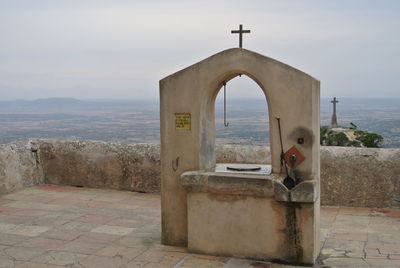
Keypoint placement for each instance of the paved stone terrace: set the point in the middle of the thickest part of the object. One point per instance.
(57, 226)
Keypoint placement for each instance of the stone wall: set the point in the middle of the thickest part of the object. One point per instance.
(361, 177)
(134, 167)
(19, 166)
(349, 176)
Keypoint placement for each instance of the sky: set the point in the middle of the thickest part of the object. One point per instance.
(120, 49)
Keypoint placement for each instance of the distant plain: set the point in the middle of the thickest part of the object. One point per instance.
(133, 121)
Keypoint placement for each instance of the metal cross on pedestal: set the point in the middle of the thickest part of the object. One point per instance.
(334, 119)
(240, 32)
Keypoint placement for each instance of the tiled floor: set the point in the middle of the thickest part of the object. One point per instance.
(56, 226)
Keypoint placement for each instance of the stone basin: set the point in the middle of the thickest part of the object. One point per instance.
(224, 167)
(261, 183)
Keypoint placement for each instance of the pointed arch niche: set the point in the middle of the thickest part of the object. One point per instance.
(252, 216)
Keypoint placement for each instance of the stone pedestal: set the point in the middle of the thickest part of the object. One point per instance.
(251, 216)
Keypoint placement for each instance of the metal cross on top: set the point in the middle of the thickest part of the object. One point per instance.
(240, 32)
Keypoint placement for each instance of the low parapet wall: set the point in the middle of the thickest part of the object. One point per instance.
(19, 166)
(349, 176)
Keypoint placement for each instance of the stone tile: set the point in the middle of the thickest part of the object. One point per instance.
(384, 228)
(354, 211)
(383, 248)
(27, 230)
(62, 258)
(94, 219)
(56, 188)
(114, 230)
(94, 261)
(33, 205)
(126, 223)
(6, 262)
(372, 237)
(157, 265)
(92, 204)
(4, 201)
(356, 255)
(126, 253)
(346, 262)
(139, 239)
(82, 247)
(123, 207)
(42, 243)
(324, 233)
(352, 219)
(97, 238)
(6, 209)
(15, 219)
(79, 226)
(136, 264)
(159, 256)
(394, 256)
(9, 239)
(62, 234)
(385, 220)
(36, 265)
(30, 212)
(79, 196)
(242, 263)
(345, 245)
(64, 215)
(350, 236)
(39, 198)
(109, 198)
(15, 196)
(390, 237)
(171, 248)
(22, 253)
(6, 226)
(197, 261)
(383, 262)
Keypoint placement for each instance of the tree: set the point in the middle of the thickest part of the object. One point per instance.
(370, 140)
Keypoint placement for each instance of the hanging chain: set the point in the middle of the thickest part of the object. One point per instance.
(226, 123)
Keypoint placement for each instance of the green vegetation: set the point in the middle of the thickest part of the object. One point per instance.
(371, 140)
(362, 138)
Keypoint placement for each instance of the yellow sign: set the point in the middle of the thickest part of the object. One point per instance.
(182, 121)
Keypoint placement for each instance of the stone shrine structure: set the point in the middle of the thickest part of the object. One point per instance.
(250, 214)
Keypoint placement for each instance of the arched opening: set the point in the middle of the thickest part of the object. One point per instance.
(241, 118)
(241, 115)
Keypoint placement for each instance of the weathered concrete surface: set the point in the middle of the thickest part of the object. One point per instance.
(19, 166)
(134, 167)
(360, 177)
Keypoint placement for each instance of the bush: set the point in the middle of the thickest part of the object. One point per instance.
(370, 140)
(362, 138)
